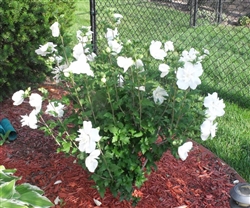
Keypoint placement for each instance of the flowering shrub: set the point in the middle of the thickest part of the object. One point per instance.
(124, 112)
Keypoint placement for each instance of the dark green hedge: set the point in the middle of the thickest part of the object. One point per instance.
(24, 25)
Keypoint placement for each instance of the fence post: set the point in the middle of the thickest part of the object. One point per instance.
(193, 12)
(93, 24)
(218, 11)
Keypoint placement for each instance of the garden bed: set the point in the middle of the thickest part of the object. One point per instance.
(203, 180)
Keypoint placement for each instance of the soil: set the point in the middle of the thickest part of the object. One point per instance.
(202, 181)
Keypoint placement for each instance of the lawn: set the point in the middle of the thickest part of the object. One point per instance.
(225, 71)
(81, 18)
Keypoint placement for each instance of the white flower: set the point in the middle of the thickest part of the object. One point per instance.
(36, 101)
(164, 68)
(91, 161)
(124, 62)
(84, 37)
(206, 51)
(141, 88)
(189, 56)
(184, 149)
(159, 95)
(30, 120)
(169, 46)
(188, 76)
(55, 109)
(58, 59)
(118, 18)
(55, 29)
(78, 50)
(46, 49)
(79, 66)
(18, 97)
(215, 106)
(81, 38)
(207, 129)
(120, 80)
(57, 71)
(129, 42)
(88, 137)
(115, 47)
(139, 65)
(111, 34)
(156, 51)
(91, 57)
(118, 15)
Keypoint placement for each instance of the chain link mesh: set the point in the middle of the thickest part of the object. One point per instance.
(221, 26)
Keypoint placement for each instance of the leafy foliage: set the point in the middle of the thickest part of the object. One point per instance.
(24, 26)
(20, 196)
(245, 20)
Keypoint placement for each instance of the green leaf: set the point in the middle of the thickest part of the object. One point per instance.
(5, 177)
(3, 140)
(9, 171)
(66, 147)
(113, 129)
(7, 189)
(125, 140)
(4, 137)
(26, 187)
(12, 203)
(139, 134)
(35, 199)
(114, 139)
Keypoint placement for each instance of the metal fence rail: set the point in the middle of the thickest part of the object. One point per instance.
(210, 24)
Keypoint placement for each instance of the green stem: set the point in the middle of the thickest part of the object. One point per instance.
(109, 100)
(140, 100)
(65, 130)
(50, 131)
(89, 99)
(117, 97)
(76, 92)
(64, 51)
(132, 95)
(105, 162)
(173, 110)
(181, 114)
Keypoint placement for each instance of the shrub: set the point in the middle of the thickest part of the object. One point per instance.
(124, 112)
(244, 20)
(24, 26)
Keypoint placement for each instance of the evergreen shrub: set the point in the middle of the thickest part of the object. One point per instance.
(24, 26)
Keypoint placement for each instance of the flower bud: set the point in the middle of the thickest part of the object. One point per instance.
(140, 56)
(108, 50)
(103, 80)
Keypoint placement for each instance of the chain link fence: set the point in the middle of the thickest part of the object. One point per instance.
(221, 26)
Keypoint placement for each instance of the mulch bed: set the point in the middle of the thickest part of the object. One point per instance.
(203, 180)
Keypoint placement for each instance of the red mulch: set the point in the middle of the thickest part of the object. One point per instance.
(202, 181)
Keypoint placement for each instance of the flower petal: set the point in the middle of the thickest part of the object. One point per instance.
(184, 149)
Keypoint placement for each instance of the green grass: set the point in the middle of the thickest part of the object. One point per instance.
(232, 141)
(225, 71)
(81, 18)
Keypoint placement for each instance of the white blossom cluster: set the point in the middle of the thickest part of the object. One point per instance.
(187, 76)
(35, 100)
